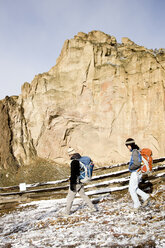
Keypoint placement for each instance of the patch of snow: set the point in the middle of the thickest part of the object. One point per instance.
(42, 224)
(106, 190)
(118, 180)
(110, 174)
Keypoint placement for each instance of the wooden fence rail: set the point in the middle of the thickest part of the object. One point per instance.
(122, 183)
(118, 173)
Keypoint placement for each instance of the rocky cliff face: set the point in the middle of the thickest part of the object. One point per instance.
(98, 94)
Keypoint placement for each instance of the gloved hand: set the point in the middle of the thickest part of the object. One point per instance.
(73, 187)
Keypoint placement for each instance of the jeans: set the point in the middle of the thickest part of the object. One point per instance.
(79, 188)
(135, 191)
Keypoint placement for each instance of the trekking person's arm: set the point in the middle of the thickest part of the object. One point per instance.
(74, 174)
(135, 164)
(92, 166)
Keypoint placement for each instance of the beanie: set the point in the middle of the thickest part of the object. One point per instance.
(71, 151)
(129, 141)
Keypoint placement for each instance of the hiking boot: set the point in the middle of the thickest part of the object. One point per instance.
(65, 214)
(136, 210)
(94, 209)
(145, 203)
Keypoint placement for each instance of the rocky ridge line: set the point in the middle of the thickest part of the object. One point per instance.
(98, 94)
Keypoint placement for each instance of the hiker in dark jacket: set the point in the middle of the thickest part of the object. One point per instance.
(75, 185)
(134, 168)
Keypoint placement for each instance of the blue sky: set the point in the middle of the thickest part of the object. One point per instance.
(32, 32)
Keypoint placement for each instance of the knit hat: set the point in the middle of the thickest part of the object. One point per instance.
(75, 156)
(71, 151)
(129, 141)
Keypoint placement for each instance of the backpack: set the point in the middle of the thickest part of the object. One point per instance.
(147, 160)
(132, 166)
(86, 169)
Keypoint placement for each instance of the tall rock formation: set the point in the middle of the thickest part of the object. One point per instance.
(98, 94)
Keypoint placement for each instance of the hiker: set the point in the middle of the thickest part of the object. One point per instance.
(134, 168)
(76, 186)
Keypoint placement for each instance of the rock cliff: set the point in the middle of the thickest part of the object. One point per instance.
(98, 94)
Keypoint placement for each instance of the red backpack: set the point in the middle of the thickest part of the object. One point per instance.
(147, 160)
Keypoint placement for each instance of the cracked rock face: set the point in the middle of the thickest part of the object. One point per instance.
(98, 94)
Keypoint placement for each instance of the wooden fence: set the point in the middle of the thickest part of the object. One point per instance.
(118, 180)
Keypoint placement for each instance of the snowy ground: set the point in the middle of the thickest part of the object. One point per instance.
(41, 224)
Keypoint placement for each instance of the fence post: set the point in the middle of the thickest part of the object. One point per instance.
(22, 187)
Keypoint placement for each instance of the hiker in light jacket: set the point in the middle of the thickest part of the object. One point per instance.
(134, 168)
(75, 185)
